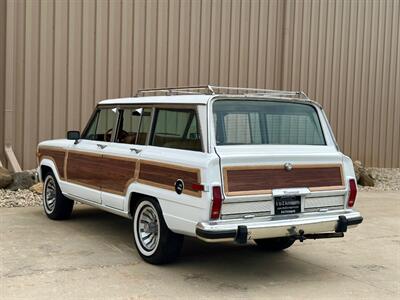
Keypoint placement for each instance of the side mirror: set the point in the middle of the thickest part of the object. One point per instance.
(73, 135)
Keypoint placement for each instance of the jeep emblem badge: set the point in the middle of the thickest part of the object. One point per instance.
(288, 166)
(179, 186)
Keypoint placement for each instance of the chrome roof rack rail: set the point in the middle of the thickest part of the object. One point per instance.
(213, 90)
(186, 90)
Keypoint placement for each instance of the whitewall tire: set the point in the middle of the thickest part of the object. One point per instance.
(154, 241)
(56, 205)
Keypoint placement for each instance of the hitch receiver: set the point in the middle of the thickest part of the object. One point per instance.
(315, 236)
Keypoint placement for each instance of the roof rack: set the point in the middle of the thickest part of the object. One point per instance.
(213, 90)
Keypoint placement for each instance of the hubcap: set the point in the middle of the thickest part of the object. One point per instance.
(50, 194)
(148, 228)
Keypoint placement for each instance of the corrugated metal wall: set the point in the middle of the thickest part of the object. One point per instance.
(346, 55)
(2, 73)
(63, 56)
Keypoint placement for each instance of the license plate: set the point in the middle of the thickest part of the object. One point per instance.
(287, 205)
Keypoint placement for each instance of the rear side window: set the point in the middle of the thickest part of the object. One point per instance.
(177, 128)
(266, 122)
(101, 125)
(133, 125)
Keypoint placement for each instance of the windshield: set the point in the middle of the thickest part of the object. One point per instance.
(249, 122)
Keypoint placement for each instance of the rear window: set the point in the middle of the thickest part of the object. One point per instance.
(266, 122)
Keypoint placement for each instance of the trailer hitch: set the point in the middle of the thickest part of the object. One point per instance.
(301, 236)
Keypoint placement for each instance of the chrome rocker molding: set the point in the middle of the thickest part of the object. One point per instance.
(98, 205)
(301, 228)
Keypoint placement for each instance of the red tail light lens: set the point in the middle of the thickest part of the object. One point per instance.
(197, 187)
(352, 193)
(216, 202)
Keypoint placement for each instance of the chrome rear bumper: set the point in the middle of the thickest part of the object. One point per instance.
(278, 226)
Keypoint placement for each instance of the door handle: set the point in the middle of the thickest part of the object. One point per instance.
(101, 146)
(137, 151)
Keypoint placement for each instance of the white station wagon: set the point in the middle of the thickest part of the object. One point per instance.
(228, 164)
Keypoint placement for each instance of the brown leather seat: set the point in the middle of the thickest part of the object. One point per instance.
(177, 143)
(130, 138)
(194, 145)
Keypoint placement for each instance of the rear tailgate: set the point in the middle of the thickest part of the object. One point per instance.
(253, 176)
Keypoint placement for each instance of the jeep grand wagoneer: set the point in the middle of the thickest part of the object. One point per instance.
(226, 164)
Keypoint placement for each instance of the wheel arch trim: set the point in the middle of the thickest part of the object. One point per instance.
(46, 162)
(136, 191)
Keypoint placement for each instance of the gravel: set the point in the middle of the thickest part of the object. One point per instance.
(385, 180)
(20, 198)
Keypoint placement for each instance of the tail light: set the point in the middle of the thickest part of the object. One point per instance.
(197, 187)
(352, 193)
(216, 203)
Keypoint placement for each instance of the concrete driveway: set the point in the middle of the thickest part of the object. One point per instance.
(92, 256)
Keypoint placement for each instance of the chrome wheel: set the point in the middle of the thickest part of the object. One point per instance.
(49, 194)
(155, 242)
(146, 228)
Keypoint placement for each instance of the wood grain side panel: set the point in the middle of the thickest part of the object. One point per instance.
(113, 174)
(165, 176)
(108, 173)
(261, 180)
(118, 173)
(84, 169)
(56, 155)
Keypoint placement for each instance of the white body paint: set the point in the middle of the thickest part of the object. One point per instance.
(184, 212)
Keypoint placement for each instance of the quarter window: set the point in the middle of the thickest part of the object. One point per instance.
(101, 125)
(177, 128)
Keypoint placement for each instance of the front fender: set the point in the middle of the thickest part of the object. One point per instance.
(48, 163)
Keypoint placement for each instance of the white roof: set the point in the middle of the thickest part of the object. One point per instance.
(196, 99)
(180, 99)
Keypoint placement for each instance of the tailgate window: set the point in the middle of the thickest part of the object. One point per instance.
(266, 122)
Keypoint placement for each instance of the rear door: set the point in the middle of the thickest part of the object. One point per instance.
(121, 157)
(269, 150)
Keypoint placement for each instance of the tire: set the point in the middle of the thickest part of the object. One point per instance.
(275, 244)
(154, 241)
(56, 205)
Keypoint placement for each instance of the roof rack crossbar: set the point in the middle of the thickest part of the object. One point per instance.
(212, 90)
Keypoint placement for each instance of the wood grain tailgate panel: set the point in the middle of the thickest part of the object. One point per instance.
(242, 180)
